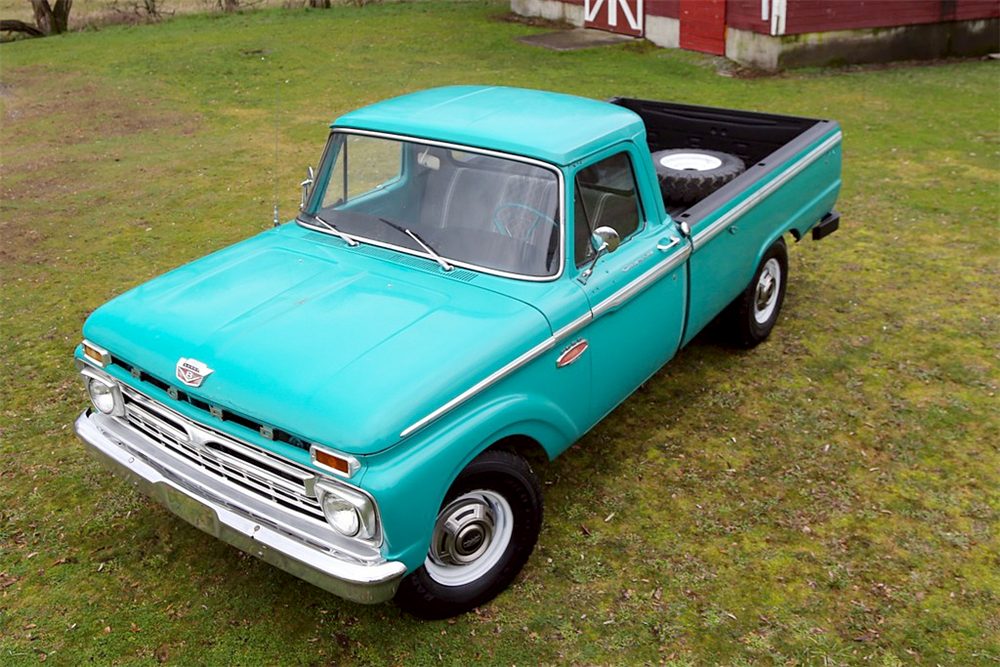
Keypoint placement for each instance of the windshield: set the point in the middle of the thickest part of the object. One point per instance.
(456, 207)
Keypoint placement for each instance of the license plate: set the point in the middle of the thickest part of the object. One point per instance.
(196, 513)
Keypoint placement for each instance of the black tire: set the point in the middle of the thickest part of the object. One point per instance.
(747, 321)
(498, 473)
(692, 184)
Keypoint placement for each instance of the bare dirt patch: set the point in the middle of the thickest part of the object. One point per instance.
(533, 21)
(80, 108)
(20, 243)
(47, 117)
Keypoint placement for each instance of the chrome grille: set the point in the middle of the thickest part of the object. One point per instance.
(267, 431)
(252, 469)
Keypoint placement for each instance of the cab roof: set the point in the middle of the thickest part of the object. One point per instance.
(552, 127)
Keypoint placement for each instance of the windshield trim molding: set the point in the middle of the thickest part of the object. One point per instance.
(469, 149)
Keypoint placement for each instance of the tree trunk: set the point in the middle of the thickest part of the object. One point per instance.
(60, 12)
(320, 4)
(52, 20)
(10, 25)
(43, 16)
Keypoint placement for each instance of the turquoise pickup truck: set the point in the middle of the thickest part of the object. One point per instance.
(476, 276)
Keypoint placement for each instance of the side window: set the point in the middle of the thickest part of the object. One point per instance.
(605, 196)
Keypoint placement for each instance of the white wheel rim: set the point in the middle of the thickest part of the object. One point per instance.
(455, 557)
(765, 297)
(690, 162)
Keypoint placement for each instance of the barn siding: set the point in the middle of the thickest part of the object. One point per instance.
(703, 26)
(812, 16)
(804, 16)
(623, 27)
(668, 8)
(745, 15)
(973, 10)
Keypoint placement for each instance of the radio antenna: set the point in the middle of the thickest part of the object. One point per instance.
(277, 85)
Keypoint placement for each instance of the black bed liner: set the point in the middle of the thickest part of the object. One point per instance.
(763, 141)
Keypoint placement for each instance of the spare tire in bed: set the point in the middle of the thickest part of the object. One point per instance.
(688, 175)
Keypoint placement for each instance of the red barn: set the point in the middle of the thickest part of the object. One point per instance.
(771, 34)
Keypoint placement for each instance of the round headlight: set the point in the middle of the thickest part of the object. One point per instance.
(342, 515)
(102, 395)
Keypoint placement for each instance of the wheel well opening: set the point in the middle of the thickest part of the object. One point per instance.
(528, 448)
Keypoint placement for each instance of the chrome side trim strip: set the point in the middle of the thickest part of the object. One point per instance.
(641, 283)
(707, 234)
(573, 327)
(495, 377)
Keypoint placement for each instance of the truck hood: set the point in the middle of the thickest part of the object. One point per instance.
(334, 345)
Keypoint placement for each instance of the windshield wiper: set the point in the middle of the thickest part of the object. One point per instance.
(348, 239)
(430, 251)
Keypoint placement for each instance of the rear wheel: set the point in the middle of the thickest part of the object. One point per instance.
(752, 316)
(486, 529)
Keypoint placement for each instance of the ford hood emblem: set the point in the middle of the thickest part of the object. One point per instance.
(192, 372)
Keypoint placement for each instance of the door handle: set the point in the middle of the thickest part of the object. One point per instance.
(663, 246)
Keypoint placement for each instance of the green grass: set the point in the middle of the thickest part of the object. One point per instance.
(832, 497)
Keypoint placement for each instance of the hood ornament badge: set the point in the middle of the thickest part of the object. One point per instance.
(192, 372)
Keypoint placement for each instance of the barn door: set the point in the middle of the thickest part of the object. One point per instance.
(622, 16)
(703, 26)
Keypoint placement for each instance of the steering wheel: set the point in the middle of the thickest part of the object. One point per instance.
(539, 217)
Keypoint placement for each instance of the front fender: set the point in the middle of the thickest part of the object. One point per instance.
(409, 481)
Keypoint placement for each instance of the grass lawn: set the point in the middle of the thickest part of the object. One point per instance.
(832, 497)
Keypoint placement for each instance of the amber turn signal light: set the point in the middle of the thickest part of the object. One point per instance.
(344, 465)
(97, 354)
(331, 461)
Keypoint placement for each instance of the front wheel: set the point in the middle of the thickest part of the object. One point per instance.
(486, 529)
(753, 314)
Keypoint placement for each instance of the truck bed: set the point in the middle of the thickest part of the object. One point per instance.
(763, 141)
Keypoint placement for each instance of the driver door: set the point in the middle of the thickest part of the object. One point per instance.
(636, 293)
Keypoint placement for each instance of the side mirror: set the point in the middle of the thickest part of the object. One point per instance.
(604, 240)
(306, 184)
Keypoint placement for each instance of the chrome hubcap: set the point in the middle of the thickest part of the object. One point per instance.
(463, 532)
(766, 292)
(470, 536)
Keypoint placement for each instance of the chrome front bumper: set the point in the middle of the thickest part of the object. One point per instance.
(219, 511)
